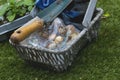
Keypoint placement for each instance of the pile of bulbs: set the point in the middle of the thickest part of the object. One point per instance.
(58, 35)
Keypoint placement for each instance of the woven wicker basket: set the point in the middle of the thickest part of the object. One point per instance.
(60, 60)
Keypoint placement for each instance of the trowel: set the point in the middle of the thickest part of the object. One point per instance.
(46, 15)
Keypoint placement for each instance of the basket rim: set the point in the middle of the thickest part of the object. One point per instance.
(81, 34)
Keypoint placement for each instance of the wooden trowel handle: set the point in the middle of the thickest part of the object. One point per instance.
(24, 31)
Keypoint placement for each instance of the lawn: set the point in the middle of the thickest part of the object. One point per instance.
(98, 61)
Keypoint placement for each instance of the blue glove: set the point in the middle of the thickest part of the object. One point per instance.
(43, 3)
(72, 13)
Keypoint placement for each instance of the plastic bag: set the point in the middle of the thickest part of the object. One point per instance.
(54, 37)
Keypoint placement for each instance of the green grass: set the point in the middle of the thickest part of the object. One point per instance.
(99, 61)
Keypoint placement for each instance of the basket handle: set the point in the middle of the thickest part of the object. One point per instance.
(23, 32)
